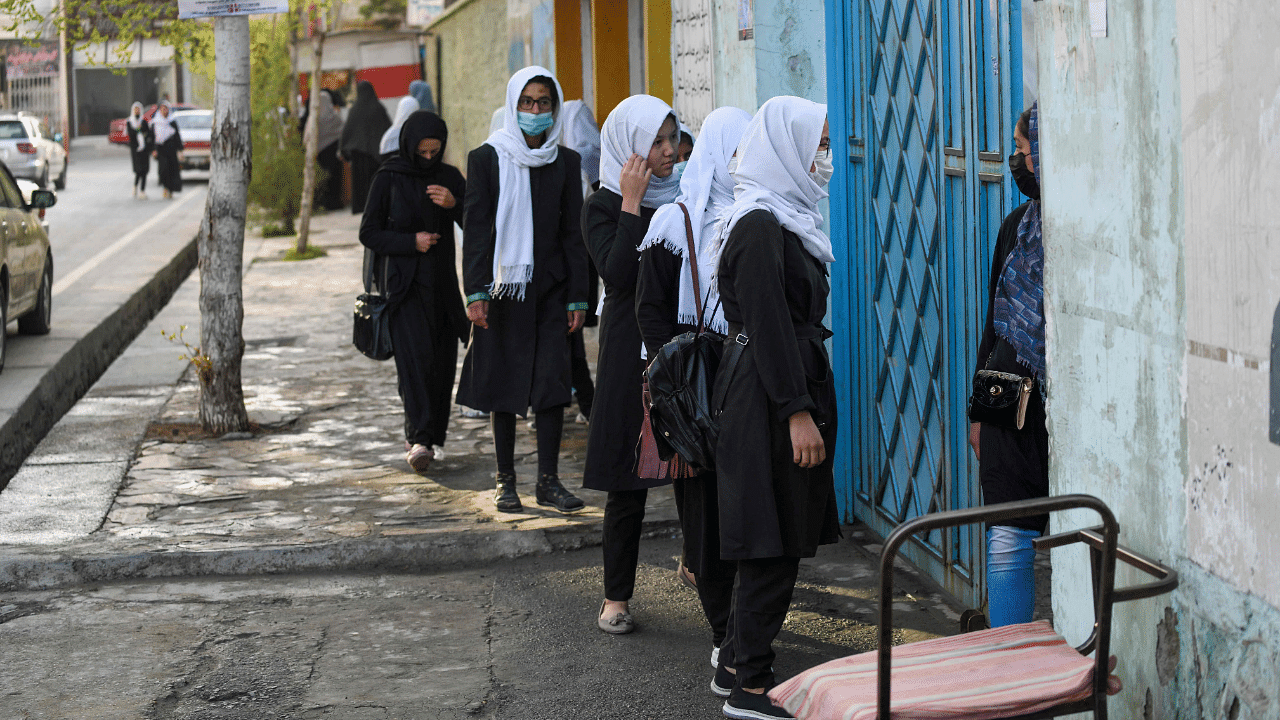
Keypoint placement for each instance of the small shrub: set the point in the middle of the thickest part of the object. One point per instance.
(312, 252)
(271, 230)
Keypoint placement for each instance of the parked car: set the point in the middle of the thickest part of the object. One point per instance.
(30, 151)
(196, 127)
(26, 187)
(120, 136)
(26, 261)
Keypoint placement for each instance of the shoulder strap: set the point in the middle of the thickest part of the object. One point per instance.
(693, 267)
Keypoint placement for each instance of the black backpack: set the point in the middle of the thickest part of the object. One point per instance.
(681, 379)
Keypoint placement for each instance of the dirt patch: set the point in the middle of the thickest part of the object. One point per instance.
(181, 432)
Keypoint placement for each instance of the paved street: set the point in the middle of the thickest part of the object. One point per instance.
(113, 267)
(303, 570)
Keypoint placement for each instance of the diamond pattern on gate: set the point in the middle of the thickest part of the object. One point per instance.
(904, 190)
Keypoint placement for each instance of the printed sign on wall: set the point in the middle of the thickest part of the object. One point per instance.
(190, 9)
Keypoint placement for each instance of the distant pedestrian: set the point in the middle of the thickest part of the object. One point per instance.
(168, 150)
(421, 91)
(776, 393)
(582, 135)
(1013, 464)
(390, 145)
(525, 278)
(141, 143)
(329, 130)
(361, 139)
(414, 201)
(637, 154)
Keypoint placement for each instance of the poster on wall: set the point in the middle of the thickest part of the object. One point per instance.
(746, 19)
(23, 60)
(420, 13)
(191, 9)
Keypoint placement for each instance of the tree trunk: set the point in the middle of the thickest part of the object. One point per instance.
(222, 233)
(312, 138)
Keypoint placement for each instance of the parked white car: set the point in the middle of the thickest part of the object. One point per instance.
(31, 151)
(26, 261)
(196, 128)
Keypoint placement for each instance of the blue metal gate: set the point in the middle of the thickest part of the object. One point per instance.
(922, 102)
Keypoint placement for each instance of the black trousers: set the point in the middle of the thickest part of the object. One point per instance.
(696, 501)
(426, 360)
(761, 597)
(623, 520)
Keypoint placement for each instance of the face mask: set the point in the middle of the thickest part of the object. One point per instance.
(535, 124)
(822, 171)
(1022, 177)
(733, 165)
(678, 170)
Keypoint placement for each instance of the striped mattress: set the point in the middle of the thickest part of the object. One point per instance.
(995, 673)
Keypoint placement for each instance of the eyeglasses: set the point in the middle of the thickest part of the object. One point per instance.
(527, 103)
(824, 149)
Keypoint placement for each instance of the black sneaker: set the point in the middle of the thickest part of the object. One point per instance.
(722, 683)
(551, 493)
(505, 498)
(743, 705)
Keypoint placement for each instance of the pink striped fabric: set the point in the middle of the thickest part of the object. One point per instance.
(997, 673)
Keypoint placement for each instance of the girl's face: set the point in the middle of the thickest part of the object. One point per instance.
(137, 111)
(1024, 147)
(662, 155)
(824, 144)
(164, 111)
(429, 148)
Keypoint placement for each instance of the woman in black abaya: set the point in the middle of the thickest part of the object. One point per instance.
(140, 142)
(414, 200)
(168, 146)
(361, 137)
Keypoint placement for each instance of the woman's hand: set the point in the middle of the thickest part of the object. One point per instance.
(426, 240)
(807, 447)
(633, 183)
(478, 313)
(441, 196)
(975, 433)
(576, 318)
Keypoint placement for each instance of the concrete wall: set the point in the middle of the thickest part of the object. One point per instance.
(790, 42)
(473, 73)
(1161, 144)
(1227, 616)
(735, 82)
(1114, 264)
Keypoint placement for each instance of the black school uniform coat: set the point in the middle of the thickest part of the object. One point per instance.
(522, 360)
(141, 158)
(775, 293)
(616, 415)
(1015, 463)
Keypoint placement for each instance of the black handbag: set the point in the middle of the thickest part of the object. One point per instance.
(371, 330)
(1000, 398)
(681, 378)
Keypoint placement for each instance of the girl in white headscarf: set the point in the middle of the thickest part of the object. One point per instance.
(525, 280)
(774, 389)
(140, 142)
(168, 147)
(638, 151)
(666, 305)
(390, 145)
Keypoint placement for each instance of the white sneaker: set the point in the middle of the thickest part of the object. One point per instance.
(715, 656)
(581, 419)
(142, 196)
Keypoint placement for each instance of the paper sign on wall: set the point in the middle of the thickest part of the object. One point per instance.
(189, 9)
(1098, 18)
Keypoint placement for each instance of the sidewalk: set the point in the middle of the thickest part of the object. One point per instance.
(128, 486)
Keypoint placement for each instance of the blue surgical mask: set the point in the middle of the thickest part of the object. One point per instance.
(679, 169)
(535, 124)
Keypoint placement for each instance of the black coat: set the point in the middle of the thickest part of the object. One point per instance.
(397, 210)
(612, 238)
(775, 293)
(1015, 463)
(167, 158)
(141, 158)
(522, 361)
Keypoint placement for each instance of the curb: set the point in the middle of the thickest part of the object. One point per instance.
(429, 552)
(77, 370)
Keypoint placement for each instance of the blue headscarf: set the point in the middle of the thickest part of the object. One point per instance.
(1019, 311)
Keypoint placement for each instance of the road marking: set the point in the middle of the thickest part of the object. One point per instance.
(118, 245)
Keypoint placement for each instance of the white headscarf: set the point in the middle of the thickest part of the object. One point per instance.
(630, 129)
(513, 250)
(497, 120)
(706, 189)
(774, 157)
(583, 137)
(162, 125)
(135, 122)
(391, 138)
